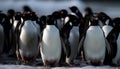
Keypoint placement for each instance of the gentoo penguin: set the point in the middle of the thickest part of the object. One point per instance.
(74, 36)
(27, 50)
(1, 33)
(114, 40)
(50, 48)
(76, 11)
(7, 30)
(94, 43)
(15, 32)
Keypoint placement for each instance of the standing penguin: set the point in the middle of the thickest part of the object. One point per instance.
(94, 43)
(1, 33)
(27, 49)
(15, 32)
(114, 40)
(73, 38)
(50, 44)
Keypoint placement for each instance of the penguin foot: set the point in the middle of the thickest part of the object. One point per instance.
(56, 64)
(46, 63)
(51, 64)
(71, 64)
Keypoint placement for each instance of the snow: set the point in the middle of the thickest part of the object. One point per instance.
(41, 67)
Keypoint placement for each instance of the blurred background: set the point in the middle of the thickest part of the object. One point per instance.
(45, 7)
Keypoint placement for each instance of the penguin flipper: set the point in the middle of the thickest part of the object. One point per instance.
(40, 41)
(108, 47)
(80, 44)
(66, 47)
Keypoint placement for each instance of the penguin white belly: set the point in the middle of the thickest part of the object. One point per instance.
(51, 44)
(1, 38)
(37, 27)
(116, 60)
(59, 24)
(94, 44)
(74, 41)
(15, 24)
(107, 29)
(28, 40)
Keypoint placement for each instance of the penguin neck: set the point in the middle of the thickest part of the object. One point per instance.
(94, 24)
(27, 21)
(49, 26)
(75, 27)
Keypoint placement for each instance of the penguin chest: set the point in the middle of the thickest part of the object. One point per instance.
(15, 24)
(94, 43)
(1, 38)
(51, 44)
(107, 29)
(74, 41)
(28, 40)
(37, 27)
(59, 24)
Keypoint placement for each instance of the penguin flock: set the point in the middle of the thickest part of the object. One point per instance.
(61, 37)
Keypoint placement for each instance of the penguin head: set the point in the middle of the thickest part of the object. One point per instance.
(42, 19)
(56, 14)
(75, 10)
(34, 16)
(117, 23)
(103, 17)
(10, 13)
(74, 19)
(88, 11)
(27, 15)
(63, 13)
(50, 20)
(26, 8)
(17, 16)
(94, 20)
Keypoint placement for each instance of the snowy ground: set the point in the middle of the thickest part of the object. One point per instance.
(11, 63)
(40, 67)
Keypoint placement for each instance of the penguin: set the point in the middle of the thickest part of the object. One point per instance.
(106, 23)
(74, 36)
(94, 43)
(27, 50)
(15, 32)
(114, 40)
(1, 33)
(50, 48)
